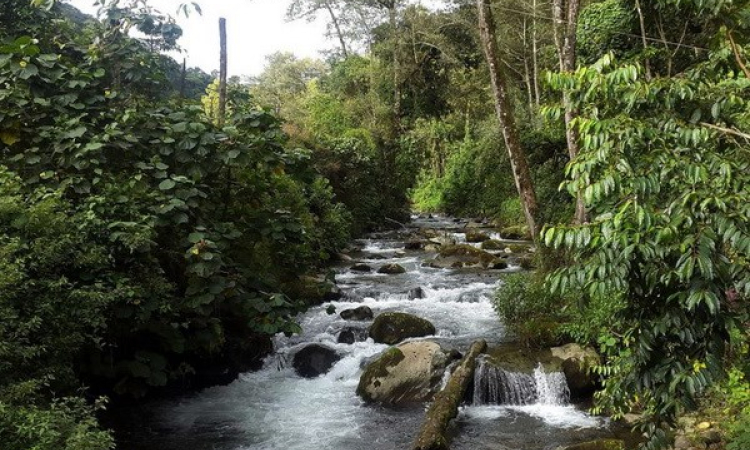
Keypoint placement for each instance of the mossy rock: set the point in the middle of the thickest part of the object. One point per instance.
(514, 357)
(360, 268)
(518, 248)
(409, 373)
(493, 244)
(462, 255)
(601, 444)
(473, 235)
(312, 290)
(516, 232)
(392, 269)
(393, 327)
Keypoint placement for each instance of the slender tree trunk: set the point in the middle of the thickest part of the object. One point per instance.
(526, 66)
(535, 56)
(504, 110)
(183, 78)
(222, 72)
(337, 26)
(396, 67)
(565, 24)
(644, 41)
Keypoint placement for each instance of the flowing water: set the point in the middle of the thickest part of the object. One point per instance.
(275, 409)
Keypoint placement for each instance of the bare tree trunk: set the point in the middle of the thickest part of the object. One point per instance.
(535, 57)
(504, 110)
(183, 78)
(526, 67)
(565, 23)
(644, 41)
(222, 72)
(396, 66)
(337, 26)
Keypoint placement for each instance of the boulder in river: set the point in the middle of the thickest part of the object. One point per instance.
(516, 232)
(392, 269)
(393, 327)
(416, 293)
(457, 256)
(409, 373)
(314, 360)
(350, 335)
(493, 244)
(359, 313)
(473, 235)
(577, 363)
(414, 245)
(361, 268)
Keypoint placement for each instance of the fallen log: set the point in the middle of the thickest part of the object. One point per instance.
(445, 405)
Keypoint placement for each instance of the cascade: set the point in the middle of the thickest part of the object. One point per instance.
(496, 386)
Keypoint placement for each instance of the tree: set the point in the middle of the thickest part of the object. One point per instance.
(565, 14)
(665, 171)
(308, 9)
(504, 111)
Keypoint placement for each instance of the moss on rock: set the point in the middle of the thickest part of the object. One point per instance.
(393, 327)
(601, 444)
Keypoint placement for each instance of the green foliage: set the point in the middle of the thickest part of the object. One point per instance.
(606, 26)
(738, 408)
(530, 311)
(138, 240)
(668, 195)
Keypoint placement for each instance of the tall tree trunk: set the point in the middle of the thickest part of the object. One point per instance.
(565, 14)
(535, 56)
(504, 110)
(396, 67)
(644, 41)
(183, 78)
(526, 67)
(222, 72)
(337, 26)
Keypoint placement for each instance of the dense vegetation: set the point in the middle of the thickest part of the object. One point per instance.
(142, 243)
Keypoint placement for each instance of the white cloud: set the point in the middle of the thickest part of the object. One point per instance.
(255, 28)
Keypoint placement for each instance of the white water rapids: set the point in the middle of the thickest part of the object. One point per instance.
(275, 409)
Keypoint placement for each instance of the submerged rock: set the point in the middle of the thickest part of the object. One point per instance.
(350, 335)
(408, 373)
(361, 268)
(359, 313)
(392, 269)
(314, 360)
(416, 293)
(393, 327)
(414, 245)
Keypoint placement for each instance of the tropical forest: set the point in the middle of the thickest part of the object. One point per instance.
(462, 224)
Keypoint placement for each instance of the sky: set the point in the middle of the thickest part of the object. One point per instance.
(255, 28)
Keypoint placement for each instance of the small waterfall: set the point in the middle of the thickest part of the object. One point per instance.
(495, 386)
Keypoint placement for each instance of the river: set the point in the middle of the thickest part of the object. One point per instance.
(275, 409)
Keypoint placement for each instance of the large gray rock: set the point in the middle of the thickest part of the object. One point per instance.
(393, 327)
(359, 313)
(409, 373)
(314, 360)
(577, 364)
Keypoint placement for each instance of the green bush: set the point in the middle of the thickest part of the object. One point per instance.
(530, 312)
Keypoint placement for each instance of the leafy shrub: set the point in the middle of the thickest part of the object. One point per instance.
(529, 311)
